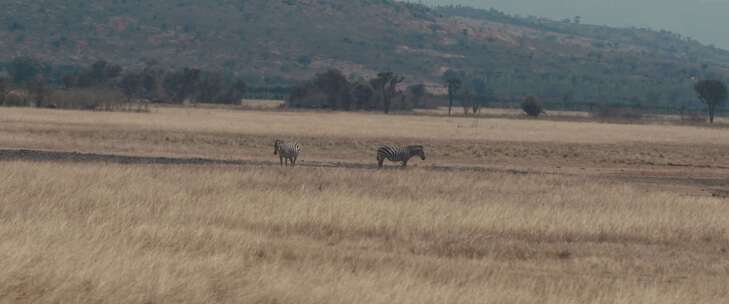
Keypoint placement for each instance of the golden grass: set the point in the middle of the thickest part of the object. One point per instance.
(262, 104)
(360, 126)
(223, 133)
(245, 104)
(128, 234)
(80, 233)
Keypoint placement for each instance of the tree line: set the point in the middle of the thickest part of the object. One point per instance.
(333, 90)
(384, 92)
(38, 80)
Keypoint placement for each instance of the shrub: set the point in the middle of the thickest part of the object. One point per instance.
(307, 96)
(532, 107)
(17, 98)
(332, 90)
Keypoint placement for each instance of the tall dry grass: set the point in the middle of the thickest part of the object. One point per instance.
(130, 234)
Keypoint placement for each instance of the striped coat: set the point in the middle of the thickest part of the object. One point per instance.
(397, 154)
(287, 152)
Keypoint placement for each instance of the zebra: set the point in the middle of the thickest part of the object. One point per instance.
(397, 154)
(288, 151)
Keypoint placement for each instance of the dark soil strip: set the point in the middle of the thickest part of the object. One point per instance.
(58, 156)
(61, 156)
(715, 186)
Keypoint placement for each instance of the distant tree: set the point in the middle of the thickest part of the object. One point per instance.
(417, 92)
(235, 92)
(532, 107)
(98, 70)
(470, 101)
(482, 93)
(98, 74)
(211, 86)
(149, 79)
(101, 72)
(404, 103)
(4, 88)
(712, 93)
(298, 96)
(467, 99)
(386, 85)
(181, 85)
(240, 86)
(113, 71)
(362, 94)
(38, 90)
(335, 86)
(69, 81)
(24, 69)
(131, 85)
(378, 87)
(567, 98)
(86, 80)
(454, 82)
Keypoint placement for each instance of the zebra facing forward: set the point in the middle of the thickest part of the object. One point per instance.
(397, 154)
(287, 151)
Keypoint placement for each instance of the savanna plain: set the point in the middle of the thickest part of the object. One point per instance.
(501, 211)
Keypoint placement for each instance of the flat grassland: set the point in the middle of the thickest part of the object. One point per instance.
(502, 211)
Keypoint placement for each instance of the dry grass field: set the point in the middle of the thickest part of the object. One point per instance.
(215, 132)
(502, 211)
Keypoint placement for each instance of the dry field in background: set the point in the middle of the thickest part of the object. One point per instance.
(677, 155)
(79, 233)
(545, 212)
(224, 133)
(214, 120)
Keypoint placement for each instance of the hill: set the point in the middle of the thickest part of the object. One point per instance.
(290, 40)
(702, 20)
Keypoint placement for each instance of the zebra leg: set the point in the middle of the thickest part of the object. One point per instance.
(404, 163)
(293, 162)
(282, 160)
(379, 163)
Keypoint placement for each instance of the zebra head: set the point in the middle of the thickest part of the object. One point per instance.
(417, 150)
(276, 146)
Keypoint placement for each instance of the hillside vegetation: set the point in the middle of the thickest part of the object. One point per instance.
(285, 41)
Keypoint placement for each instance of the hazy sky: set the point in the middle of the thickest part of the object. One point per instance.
(704, 20)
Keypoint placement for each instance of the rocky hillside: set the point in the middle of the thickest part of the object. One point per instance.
(292, 39)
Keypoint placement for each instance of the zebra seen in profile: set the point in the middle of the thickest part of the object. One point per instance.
(397, 154)
(286, 151)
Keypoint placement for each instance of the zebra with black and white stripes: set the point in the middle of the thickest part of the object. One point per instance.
(286, 151)
(397, 154)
